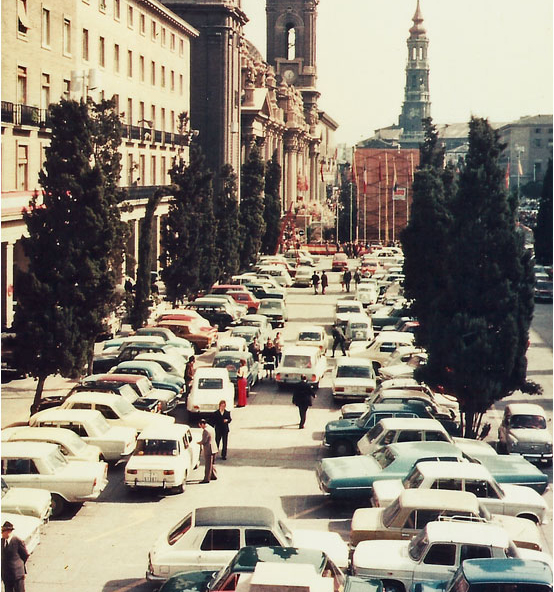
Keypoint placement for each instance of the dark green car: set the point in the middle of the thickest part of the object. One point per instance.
(245, 562)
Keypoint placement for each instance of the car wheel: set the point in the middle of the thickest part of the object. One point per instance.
(58, 505)
(180, 488)
(343, 448)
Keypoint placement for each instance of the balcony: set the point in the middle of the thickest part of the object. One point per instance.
(25, 115)
(8, 112)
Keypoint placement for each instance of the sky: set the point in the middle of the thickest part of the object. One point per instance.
(488, 58)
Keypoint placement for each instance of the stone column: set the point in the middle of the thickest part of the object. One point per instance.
(131, 257)
(7, 282)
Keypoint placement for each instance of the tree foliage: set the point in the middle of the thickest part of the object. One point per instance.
(348, 210)
(252, 208)
(543, 230)
(74, 238)
(272, 206)
(226, 211)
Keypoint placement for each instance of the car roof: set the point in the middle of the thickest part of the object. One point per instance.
(496, 570)
(140, 364)
(236, 339)
(471, 533)
(399, 336)
(245, 329)
(311, 328)
(439, 498)
(411, 423)
(125, 378)
(38, 434)
(234, 515)
(348, 302)
(247, 558)
(208, 371)
(412, 406)
(164, 432)
(27, 449)
(525, 409)
(433, 469)
(231, 354)
(56, 413)
(254, 317)
(421, 448)
(93, 397)
(356, 317)
(347, 361)
(299, 350)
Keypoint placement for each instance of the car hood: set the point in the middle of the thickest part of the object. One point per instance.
(351, 469)
(523, 532)
(328, 542)
(523, 496)
(381, 555)
(340, 425)
(397, 371)
(27, 528)
(356, 382)
(27, 501)
(387, 490)
(538, 436)
(515, 469)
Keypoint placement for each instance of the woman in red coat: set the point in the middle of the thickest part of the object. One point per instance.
(241, 384)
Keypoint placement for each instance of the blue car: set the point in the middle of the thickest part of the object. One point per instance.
(157, 375)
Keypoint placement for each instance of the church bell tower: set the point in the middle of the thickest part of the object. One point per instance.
(417, 105)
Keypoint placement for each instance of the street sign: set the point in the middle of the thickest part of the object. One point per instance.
(399, 193)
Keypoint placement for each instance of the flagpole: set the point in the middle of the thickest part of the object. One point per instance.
(386, 197)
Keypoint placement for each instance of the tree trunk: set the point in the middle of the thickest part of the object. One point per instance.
(38, 394)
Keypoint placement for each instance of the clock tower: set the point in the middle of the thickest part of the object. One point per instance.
(417, 105)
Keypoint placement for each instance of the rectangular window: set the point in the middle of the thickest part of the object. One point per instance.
(66, 89)
(162, 119)
(172, 42)
(130, 169)
(116, 103)
(45, 27)
(172, 79)
(180, 84)
(181, 47)
(163, 76)
(538, 143)
(102, 52)
(152, 73)
(130, 16)
(66, 36)
(142, 169)
(142, 25)
(153, 30)
(22, 167)
(141, 68)
(130, 63)
(102, 5)
(152, 170)
(141, 112)
(163, 36)
(117, 9)
(153, 116)
(23, 23)
(45, 91)
(130, 111)
(21, 85)
(116, 58)
(85, 45)
(172, 122)
(163, 170)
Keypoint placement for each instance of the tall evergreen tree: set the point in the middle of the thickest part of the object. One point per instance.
(543, 230)
(181, 237)
(252, 208)
(68, 289)
(348, 210)
(226, 211)
(272, 206)
(479, 330)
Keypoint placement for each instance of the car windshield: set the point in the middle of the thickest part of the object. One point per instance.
(413, 479)
(296, 361)
(390, 513)
(384, 457)
(251, 323)
(532, 422)
(309, 336)
(123, 407)
(272, 304)
(354, 372)
(73, 441)
(418, 545)
(156, 447)
(359, 325)
(56, 460)
(99, 425)
(365, 288)
(347, 308)
(210, 383)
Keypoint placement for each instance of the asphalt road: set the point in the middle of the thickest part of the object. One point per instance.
(103, 545)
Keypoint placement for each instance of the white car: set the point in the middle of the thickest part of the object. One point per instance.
(435, 553)
(72, 446)
(26, 501)
(115, 442)
(116, 410)
(352, 378)
(42, 466)
(404, 369)
(164, 458)
(209, 387)
(303, 277)
(26, 528)
(313, 336)
(297, 361)
(171, 363)
(231, 344)
(358, 327)
(344, 308)
(379, 349)
(367, 292)
(505, 499)
(260, 321)
(208, 538)
(278, 272)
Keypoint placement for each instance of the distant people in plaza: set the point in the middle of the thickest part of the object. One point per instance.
(302, 398)
(221, 421)
(357, 276)
(241, 384)
(278, 343)
(269, 355)
(324, 281)
(338, 339)
(14, 557)
(209, 450)
(189, 373)
(347, 278)
(254, 349)
(315, 281)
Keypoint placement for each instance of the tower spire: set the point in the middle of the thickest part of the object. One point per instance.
(418, 30)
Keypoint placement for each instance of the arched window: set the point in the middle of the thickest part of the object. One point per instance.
(291, 42)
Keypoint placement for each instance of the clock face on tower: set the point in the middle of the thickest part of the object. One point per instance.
(289, 76)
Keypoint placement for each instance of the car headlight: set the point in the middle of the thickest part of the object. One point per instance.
(548, 447)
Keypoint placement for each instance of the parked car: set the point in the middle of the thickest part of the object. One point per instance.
(157, 375)
(110, 346)
(434, 553)
(116, 410)
(164, 458)
(358, 327)
(26, 528)
(232, 344)
(352, 378)
(208, 537)
(496, 574)
(219, 313)
(247, 299)
(209, 387)
(367, 293)
(247, 332)
(346, 307)
(114, 442)
(42, 466)
(26, 501)
(413, 509)
(543, 291)
(342, 435)
(281, 275)
(339, 262)
(354, 476)
(524, 430)
(192, 330)
(507, 499)
(171, 363)
(275, 310)
(313, 336)
(404, 369)
(379, 349)
(105, 362)
(72, 446)
(231, 361)
(303, 277)
(298, 361)
(260, 321)
(238, 310)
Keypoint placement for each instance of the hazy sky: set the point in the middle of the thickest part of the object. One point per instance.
(490, 58)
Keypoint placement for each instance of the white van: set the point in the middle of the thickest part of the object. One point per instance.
(300, 360)
(359, 328)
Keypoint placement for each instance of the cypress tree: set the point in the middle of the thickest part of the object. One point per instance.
(252, 208)
(68, 288)
(272, 206)
(226, 211)
(477, 335)
(543, 229)
(348, 210)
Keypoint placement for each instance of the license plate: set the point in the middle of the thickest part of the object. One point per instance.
(150, 477)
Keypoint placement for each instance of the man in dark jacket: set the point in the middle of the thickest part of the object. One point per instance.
(14, 556)
(221, 421)
(302, 398)
(347, 278)
(338, 339)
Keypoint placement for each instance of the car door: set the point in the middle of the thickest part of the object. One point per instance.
(218, 547)
(439, 563)
(485, 493)
(23, 472)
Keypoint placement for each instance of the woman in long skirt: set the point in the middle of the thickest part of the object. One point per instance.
(241, 384)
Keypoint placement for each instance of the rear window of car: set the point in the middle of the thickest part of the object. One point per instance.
(226, 363)
(260, 538)
(179, 530)
(309, 336)
(221, 539)
(155, 446)
(210, 383)
(296, 361)
(354, 372)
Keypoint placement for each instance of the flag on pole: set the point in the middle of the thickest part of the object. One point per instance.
(412, 166)
(379, 171)
(394, 179)
(321, 170)
(507, 177)
(365, 180)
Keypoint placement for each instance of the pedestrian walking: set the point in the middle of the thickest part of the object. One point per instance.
(241, 384)
(315, 281)
(222, 419)
(269, 355)
(189, 373)
(302, 398)
(14, 557)
(254, 349)
(324, 282)
(347, 278)
(357, 276)
(278, 342)
(338, 339)
(209, 450)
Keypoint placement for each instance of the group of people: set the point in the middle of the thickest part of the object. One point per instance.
(316, 281)
(212, 438)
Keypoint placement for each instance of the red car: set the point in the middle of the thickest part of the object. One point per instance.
(340, 262)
